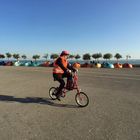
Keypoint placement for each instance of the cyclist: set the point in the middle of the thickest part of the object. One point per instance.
(61, 70)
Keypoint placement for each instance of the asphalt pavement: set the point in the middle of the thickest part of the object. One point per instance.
(27, 112)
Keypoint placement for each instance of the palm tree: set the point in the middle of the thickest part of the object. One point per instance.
(16, 56)
(77, 56)
(107, 56)
(71, 56)
(46, 56)
(127, 57)
(8, 55)
(2, 56)
(35, 57)
(86, 56)
(54, 56)
(99, 56)
(118, 56)
(24, 57)
(96, 56)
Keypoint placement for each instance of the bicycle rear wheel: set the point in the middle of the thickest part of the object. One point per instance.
(52, 92)
(82, 99)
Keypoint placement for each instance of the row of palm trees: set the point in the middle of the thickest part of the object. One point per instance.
(85, 56)
(17, 56)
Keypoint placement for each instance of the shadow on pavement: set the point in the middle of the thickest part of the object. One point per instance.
(37, 100)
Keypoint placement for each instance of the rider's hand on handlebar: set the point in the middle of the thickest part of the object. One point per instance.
(69, 71)
(76, 70)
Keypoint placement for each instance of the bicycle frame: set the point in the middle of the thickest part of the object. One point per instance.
(75, 84)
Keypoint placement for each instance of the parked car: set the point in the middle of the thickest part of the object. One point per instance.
(117, 65)
(2, 63)
(107, 65)
(9, 63)
(45, 64)
(127, 65)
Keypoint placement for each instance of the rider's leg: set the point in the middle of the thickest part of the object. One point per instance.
(69, 85)
(67, 75)
(62, 84)
(59, 78)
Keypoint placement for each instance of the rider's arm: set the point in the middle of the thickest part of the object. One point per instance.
(70, 67)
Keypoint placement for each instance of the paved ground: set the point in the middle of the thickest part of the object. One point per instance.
(27, 113)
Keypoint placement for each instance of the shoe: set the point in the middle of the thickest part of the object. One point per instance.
(58, 97)
(63, 95)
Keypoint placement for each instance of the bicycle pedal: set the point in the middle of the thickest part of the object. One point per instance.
(63, 96)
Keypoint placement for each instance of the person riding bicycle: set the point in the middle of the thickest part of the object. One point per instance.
(61, 70)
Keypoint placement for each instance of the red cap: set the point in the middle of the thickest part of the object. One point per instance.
(64, 53)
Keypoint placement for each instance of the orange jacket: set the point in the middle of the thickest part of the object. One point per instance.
(57, 68)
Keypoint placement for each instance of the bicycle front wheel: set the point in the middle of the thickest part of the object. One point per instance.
(52, 92)
(82, 99)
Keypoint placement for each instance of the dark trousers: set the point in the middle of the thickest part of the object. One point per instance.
(59, 78)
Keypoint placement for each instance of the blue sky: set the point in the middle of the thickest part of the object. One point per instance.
(80, 26)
